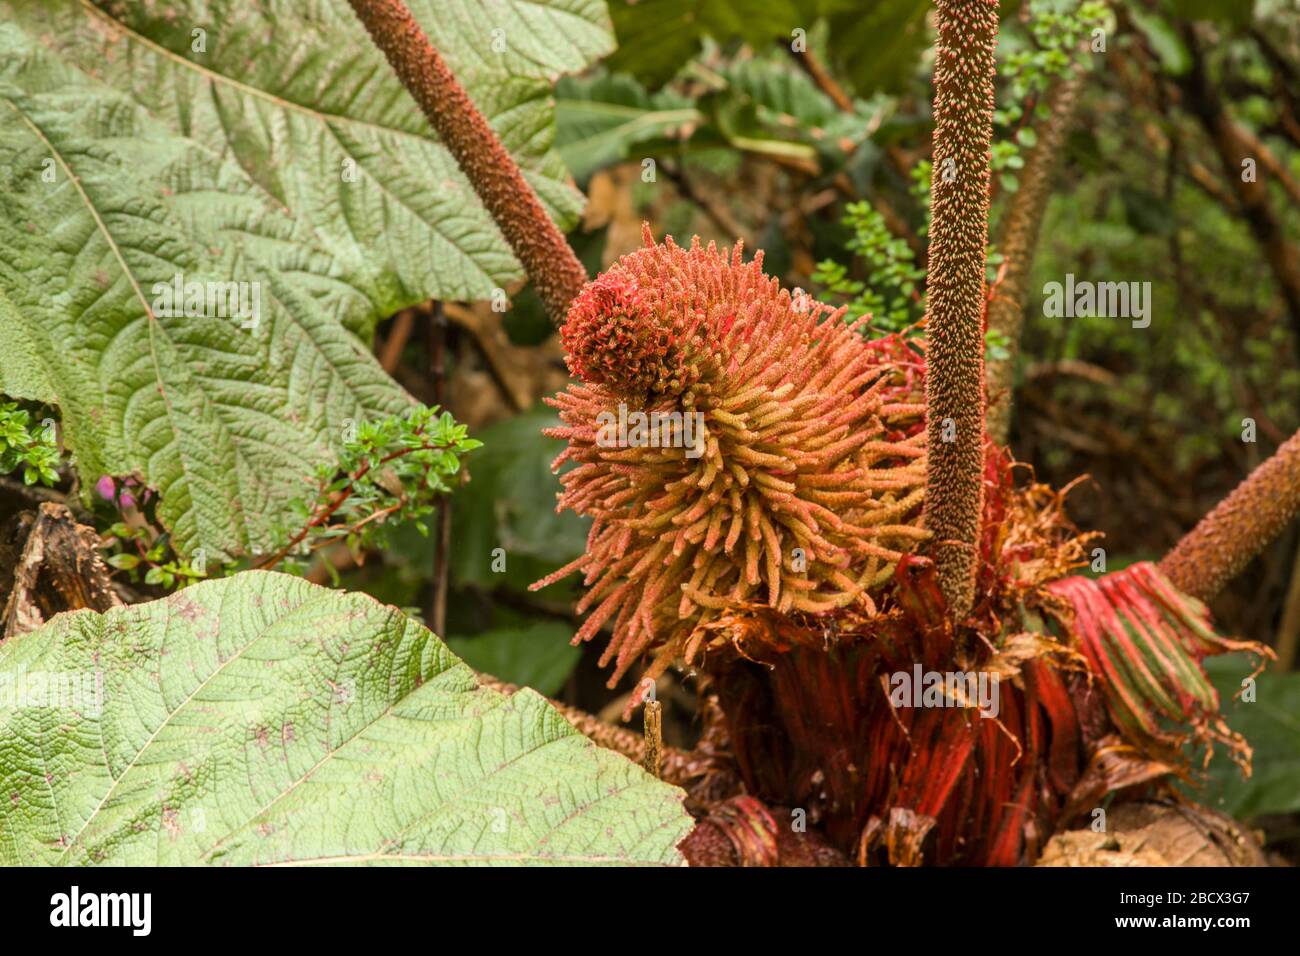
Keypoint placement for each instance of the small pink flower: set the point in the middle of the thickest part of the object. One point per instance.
(108, 490)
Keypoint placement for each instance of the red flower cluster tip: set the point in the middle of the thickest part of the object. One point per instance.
(633, 334)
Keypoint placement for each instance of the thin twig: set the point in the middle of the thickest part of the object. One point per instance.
(822, 77)
(715, 210)
(437, 342)
(336, 501)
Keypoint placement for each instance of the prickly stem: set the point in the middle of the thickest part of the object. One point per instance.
(963, 111)
(1239, 527)
(546, 256)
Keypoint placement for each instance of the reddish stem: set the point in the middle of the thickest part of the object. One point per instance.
(336, 501)
(1239, 527)
(546, 256)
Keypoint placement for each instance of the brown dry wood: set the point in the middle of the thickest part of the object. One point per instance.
(55, 567)
(1157, 833)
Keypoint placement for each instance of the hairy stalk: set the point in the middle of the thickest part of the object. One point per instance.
(554, 270)
(1019, 242)
(963, 131)
(1239, 527)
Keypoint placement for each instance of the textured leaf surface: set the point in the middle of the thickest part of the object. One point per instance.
(259, 719)
(656, 38)
(284, 155)
(296, 95)
(872, 44)
(875, 44)
(224, 421)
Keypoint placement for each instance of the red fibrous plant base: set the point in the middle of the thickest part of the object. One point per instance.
(811, 723)
(786, 560)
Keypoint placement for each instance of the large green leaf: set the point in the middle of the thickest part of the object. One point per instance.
(780, 90)
(599, 119)
(1271, 723)
(284, 154)
(224, 421)
(259, 719)
(291, 90)
(874, 44)
(510, 505)
(656, 38)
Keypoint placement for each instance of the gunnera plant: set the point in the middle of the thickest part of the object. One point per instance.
(778, 545)
(780, 461)
(768, 508)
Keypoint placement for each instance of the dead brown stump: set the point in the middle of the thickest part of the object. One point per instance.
(49, 564)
